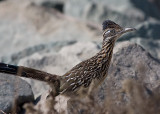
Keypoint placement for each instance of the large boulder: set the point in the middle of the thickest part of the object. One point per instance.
(14, 92)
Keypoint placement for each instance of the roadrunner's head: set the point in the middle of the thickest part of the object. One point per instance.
(112, 31)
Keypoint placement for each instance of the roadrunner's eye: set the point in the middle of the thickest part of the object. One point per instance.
(110, 32)
(113, 31)
(107, 32)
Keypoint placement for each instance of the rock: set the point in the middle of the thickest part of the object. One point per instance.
(12, 89)
(147, 35)
(148, 8)
(131, 61)
(131, 58)
(41, 48)
(58, 5)
(22, 26)
(83, 50)
(26, 25)
(124, 12)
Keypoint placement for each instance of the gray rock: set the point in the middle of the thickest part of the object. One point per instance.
(13, 89)
(124, 12)
(131, 58)
(130, 61)
(83, 50)
(148, 36)
(26, 25)
(41, 48)
(56, 4)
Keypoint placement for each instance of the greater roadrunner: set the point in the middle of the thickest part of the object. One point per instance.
(83, 77)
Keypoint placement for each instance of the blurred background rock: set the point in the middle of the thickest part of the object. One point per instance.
(55, 35)
(47, 25)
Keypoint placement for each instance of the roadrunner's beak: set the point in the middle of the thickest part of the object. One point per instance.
(127, 30)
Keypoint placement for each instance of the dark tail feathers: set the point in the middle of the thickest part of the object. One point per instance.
(9, 69)
(28, 73)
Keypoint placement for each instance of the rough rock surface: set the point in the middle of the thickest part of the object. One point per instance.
(41, 48)
(12, 89)
(131, 61)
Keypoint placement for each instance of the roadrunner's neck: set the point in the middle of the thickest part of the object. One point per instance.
(107, 49)
(105, 55)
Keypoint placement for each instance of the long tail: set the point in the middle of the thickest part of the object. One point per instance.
(28, 73)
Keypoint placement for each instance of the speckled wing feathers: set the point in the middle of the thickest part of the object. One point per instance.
(80, 75)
